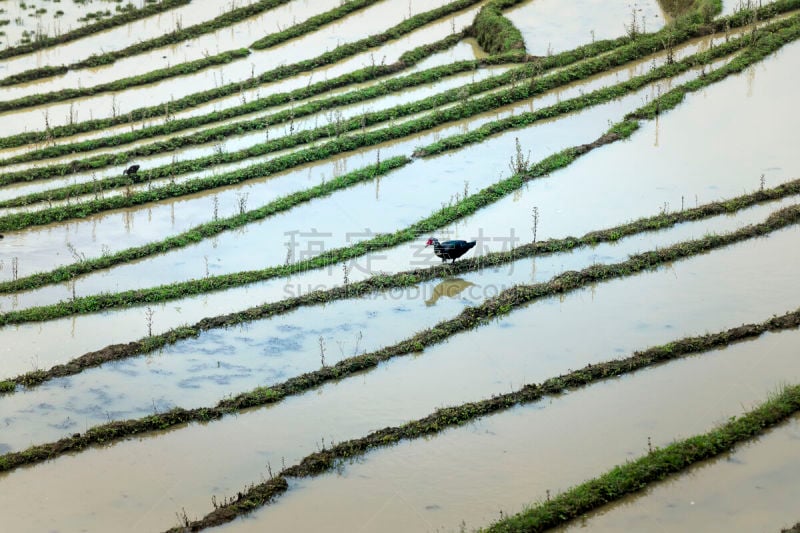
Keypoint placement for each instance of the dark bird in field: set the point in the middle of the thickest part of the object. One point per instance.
(131, 170)
(449, 249)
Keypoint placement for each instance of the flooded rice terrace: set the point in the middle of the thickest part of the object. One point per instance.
(221, 306)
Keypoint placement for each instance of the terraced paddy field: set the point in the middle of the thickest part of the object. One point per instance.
(218, 310)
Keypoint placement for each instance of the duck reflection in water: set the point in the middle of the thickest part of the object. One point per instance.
(450, 287)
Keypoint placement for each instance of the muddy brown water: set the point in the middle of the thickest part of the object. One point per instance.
(198, 372)
(530, 345)
(753, 488)
(505, 462)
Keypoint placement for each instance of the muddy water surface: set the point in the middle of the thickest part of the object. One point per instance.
(345, 217)
(236, 36)
(754, 488)
(119, 37)
(550, 26)
(91, 238)
(199, 371)
(66, 327)
(238, 142)
(493, 359)
(730, 7)
(107, 104)
(507, 461)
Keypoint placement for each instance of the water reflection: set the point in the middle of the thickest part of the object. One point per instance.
(450, 288)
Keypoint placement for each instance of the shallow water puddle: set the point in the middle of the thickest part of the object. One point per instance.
(200, 371)
(552, 26)
(754, 488)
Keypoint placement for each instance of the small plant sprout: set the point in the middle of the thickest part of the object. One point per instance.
(148, 317)
(359, 337)
(519, 164)
(763, 181)
(241, 200)
(322, 351)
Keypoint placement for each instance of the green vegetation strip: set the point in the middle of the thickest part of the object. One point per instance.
(102, 25)
(174, 126)
(34, 74)
(154, 76)
(657, 465)
(384, 282)
(182, 34)
(312, 24)
(494, 32)
(467, 108)
(279, 73)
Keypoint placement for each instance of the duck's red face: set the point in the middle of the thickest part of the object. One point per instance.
(430, 241)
